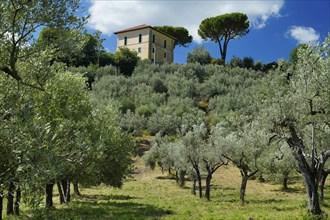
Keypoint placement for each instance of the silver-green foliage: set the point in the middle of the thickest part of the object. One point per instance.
(295, 106)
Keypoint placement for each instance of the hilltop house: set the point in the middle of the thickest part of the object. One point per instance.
(148, 42)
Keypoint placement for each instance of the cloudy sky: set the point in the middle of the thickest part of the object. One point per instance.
(276, 26)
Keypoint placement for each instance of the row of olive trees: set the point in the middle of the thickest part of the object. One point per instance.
(58, 136)
(287, 118)
(52, 130)
(162, 98)
(200, 151)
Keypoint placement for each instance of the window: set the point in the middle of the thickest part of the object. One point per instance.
(152, 60)
(140, 38)
(153, 50)
(164, 43)
(139, 50)
(153, 38)
(164, 55)
(125, 40)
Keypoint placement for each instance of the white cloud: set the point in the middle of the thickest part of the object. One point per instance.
(110, 16)
(303, 34)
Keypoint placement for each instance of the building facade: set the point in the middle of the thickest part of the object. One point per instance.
(148, 43)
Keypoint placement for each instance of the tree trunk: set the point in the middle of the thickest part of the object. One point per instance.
(49, 195)
(10, 199)
(223, 56)
(67, 192)
(1, 204)
(208, 186)
(182, 173)
(243, 186)
(60, 192)
(193, 189)
(76, 189)
(176, 176)
(199, 179)
(323, 178)
(18, 201)
(307, 171)
(64, 186)
(285, 183)
(313, 197)
(224, 52)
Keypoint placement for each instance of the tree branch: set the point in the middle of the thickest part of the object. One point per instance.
(325, 155)
(10, 72)
(253, 173)
(234, 162)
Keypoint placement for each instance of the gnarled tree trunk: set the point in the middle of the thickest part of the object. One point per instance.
(60, 192)
(17, 201)
(243, 186)
(66, 189)
(324, 175)
(308, 172)
(67, 192)
(208, 186)
(193, 188)
(10, 199)
(199, 179)
(285, 183)
(182, 174)
(312, 195)
(76, 189)
(176, 176)
(49, 195)
(244, 170)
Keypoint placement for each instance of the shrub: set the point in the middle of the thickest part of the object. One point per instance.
(199, 55)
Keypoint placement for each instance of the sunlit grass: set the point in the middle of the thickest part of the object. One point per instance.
(150, 195)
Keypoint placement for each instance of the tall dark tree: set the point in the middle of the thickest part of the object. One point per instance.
(223, 28)
(126, 60)
(183, 38)
(67, 45)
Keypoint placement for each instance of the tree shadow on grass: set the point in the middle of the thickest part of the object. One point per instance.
(167, 177)
(91, 208)
(98, 197)
(296, 190)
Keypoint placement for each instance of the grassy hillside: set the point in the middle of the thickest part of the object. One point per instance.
(149, 194)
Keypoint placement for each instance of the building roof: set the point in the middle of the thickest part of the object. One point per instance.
(143, 26)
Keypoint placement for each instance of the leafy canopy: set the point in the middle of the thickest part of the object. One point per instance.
(180, 33)
(223, 28)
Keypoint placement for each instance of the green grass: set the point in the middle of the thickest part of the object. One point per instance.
(150, 195)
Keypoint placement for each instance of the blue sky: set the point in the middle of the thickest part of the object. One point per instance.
(276, 26)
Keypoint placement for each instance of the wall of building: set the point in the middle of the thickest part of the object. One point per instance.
(133, 41)
(146, 46)
(159, 47)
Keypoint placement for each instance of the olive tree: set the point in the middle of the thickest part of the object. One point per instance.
(199, 55)
(242, 147)
(277, 164)
(296, 110)
(192, 145)
(19, 21)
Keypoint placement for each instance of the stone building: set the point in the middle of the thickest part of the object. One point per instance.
(148, 43)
